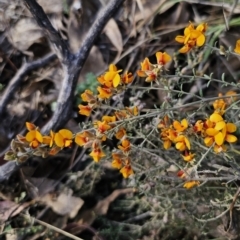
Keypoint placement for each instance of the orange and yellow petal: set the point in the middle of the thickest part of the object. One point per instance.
(163, 58)
(230, 138)
(237, 48)
(30, 126)
(191, 184)
(97, 154)
(104, 92)
(126, 171)
(125, 147)
(85, 110)
(120, 133)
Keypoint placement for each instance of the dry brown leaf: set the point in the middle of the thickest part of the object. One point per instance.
(113, 33)
(63, 204)
(10, 209)
(102, 206)
(25, 33)
(38, 187)
(51, 7)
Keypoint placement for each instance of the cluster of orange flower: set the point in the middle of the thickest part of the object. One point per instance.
(214, 131)
(121, 157)
(192, 37)
(152, 72)
(34, 143)
(111, 83)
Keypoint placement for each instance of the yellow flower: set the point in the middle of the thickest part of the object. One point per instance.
(180, 127)
(127, 78)
(120, 115)
(88, 96)
(191, 184)
(237, 48)
(229, 128)
(198, 126)
(83, 138)
(120, 133)
(213, 135)
(147, 70)
(30, 126)
(163, 58)
(219, 105)
(125, 147)
(126, 171)
(49, 140)
(117, 160)
(104, 92)
(85, 110)
(132, 111)
(182, 143)
(168, 136)
(63, 138)
(145, 66)
(112, 77)
(34, 138)
(164, 123)
(188, 156)
(97, 154)
(102, 126)
(192, 37)
(109, 119)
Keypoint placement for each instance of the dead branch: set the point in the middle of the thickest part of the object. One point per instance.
(19, 77)
(72, 65)
(60, 45)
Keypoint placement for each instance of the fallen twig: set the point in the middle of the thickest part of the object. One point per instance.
(19, 77)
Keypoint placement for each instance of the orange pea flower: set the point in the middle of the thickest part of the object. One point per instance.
(132, 111)
(85, 110)
(34, 137)
(180, 127)
(191, 184)
(148, 71)
(102, 126)
(188, 156)
(82, 139)
(63, 138)
(30, 126)
(127, 78)
(120, 133)
(117, 160)
(126, 171)
(163, 58)
(104, 92)
(97, 154)
(237, 48)
(182, 143)
(88, 96)
(109, 119)
(192, 37)
(49, 140)
(112, 77)
(125, 147)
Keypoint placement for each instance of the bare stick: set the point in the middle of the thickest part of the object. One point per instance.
(19, 77)
(53, 35)
(74, 66)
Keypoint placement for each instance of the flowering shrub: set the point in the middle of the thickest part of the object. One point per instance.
(192, 131)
